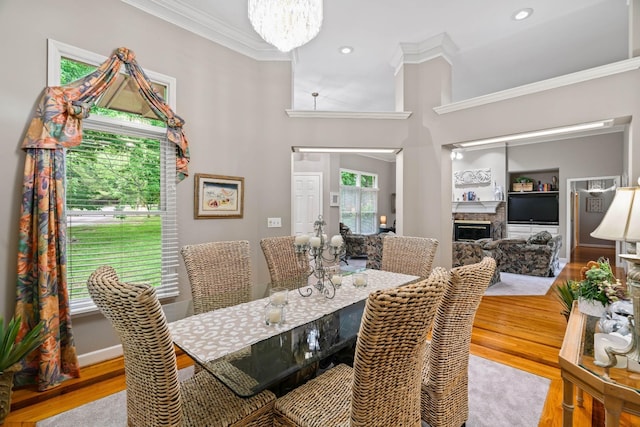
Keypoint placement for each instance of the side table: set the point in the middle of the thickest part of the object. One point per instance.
(617, 389)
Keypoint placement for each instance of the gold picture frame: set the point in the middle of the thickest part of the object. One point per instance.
(218, 196)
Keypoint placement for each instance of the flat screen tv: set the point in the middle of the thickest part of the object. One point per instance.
(533, 208)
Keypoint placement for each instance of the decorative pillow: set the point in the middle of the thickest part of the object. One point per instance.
(488, 244)
(541, 238)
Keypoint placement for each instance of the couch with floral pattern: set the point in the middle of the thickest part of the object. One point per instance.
(539, 255)
(465, 253)
(354, 243)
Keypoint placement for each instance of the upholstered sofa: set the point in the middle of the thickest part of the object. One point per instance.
(354, 243)
(373, 246)
(465, 253)
(536, 256)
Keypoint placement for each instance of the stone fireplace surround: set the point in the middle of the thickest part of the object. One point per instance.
(498, 220)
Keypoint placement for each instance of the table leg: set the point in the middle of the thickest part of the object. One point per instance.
(612, 411)
(579, 397)
(567, 403)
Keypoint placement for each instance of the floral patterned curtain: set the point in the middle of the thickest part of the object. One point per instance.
(42, 293)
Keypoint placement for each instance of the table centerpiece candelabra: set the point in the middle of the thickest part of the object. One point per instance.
(321, 255)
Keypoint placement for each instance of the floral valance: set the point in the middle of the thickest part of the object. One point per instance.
(57, 121)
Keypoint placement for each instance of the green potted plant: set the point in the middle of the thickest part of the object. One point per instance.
(523, 179)
(11, 353)
(598, 287)
(566, 293)
(523, 183)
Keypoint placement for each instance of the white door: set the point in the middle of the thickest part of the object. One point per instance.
(307, 201)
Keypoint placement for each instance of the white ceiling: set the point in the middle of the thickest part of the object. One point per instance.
(488, 50)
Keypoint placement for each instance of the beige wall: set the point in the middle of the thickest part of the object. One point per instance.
(236, 125)
(493, 159)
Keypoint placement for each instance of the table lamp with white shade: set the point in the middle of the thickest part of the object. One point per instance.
(622, 223)
(383, 221)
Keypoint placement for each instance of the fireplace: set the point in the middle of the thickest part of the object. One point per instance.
(469, 230)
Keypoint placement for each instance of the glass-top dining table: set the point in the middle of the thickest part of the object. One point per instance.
(237, 346)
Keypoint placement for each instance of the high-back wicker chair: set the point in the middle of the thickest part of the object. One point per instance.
(383, 388)
(408, 255)
(219, 274)
(285, 268)
(445, 373)
(155, 397)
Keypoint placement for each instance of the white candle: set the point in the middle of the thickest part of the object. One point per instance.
(275, 315)
(359, 279)
(279, 298)
(336, 240)
(315, 242)
(336, 279)
(301, 239)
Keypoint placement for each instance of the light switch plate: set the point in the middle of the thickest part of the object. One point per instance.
(274, 222)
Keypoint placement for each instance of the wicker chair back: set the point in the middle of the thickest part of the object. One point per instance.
(408, 255)
(219, 274)
(444, 397)
(285, 269)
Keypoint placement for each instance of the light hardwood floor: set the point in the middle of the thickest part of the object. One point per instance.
(523, 332)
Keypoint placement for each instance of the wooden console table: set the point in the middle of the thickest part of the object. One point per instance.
(617, 389)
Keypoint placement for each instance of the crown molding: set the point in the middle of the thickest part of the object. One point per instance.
(417, 53)
(553, 83)
(183, 15)
(391, 115)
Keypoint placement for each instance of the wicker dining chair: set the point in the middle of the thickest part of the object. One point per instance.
(408, 255)
(383, 387)
(155, 396)
(444, 396)
(285, 267)
(219, 274)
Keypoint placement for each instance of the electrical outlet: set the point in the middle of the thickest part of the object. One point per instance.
(274, 222)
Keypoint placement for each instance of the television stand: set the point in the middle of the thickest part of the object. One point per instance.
(524, 231)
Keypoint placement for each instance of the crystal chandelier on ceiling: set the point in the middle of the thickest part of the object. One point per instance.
(286, 24)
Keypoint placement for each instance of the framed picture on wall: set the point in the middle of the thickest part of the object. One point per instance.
(594, 204)
(218, 196)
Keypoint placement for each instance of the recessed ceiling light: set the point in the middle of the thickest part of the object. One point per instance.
(522, 14)
(345, 50)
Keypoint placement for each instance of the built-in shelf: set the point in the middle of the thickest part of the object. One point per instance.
(477, 206)
(533, 192)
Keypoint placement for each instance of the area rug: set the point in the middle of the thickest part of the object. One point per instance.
(521, 284)
(499, 396)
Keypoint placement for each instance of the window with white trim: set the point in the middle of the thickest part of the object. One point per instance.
(120, 187)
(359, 201)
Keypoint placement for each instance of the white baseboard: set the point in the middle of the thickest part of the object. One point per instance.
(100, 355)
